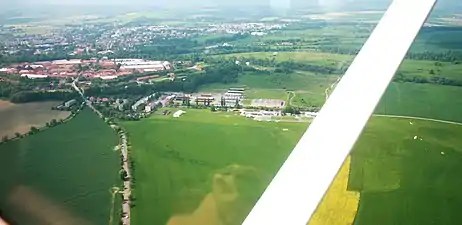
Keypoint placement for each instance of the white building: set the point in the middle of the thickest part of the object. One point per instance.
(155, 67)
(178, 113)
(70, 103)
(34, 76)
(108, 77)
(147, 109)
(67, 62)
(311, 114)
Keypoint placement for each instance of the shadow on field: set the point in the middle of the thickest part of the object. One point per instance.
(35, 208)
(235, 190)
(421, 185)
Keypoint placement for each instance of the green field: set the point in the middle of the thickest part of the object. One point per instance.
(422, 100)
(169, 182)
(308, 86)
(386, 161)
(417, 68)
(318, 58)
(66, 172)
(405, 180)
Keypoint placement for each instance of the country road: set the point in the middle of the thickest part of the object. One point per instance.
(418, 118)
(124, 150)
(331, 87)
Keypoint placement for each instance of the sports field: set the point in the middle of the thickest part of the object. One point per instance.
(63, 174)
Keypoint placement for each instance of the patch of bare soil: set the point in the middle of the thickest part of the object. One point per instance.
(233, 196)
(21, 117)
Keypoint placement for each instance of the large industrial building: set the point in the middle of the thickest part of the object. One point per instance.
(140, 64)
(233, 95)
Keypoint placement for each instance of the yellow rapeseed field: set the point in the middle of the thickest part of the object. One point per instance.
(338, 206)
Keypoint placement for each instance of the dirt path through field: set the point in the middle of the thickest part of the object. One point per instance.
(419, 118)
(331, 88)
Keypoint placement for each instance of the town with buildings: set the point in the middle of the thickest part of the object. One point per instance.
(107, 39)
(93, 68)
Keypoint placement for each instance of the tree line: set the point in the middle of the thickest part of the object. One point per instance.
(282, 67)
(36, 96)
(22, 89)
(424, 80)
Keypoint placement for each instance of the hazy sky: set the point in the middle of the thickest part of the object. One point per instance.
(171, 3)
(198, 2)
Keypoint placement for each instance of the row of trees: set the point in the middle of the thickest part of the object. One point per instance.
(432, 80)
(21, 89)
(282, 67)
(443, 56)
(33, 96)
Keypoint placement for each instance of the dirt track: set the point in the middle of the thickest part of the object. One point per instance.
(419, 118)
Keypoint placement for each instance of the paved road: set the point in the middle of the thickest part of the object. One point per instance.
(124, 150)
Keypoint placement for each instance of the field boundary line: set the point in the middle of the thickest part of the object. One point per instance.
(418, 118)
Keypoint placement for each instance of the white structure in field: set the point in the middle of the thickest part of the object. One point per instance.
(70, 103)
(311, 114)
(178, 113)
(34, 76)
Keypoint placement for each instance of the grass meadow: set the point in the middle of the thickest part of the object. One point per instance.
(64, 173)
(422, 100)
(417, 68)
(309, 87)
(408, 172)
(176, 158)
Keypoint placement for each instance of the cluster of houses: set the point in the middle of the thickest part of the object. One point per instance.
(161, 101)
